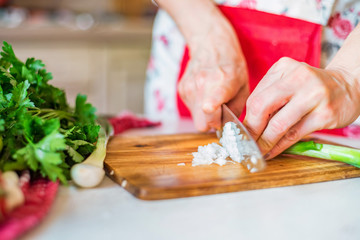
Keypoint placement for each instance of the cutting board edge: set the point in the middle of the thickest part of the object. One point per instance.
(153, 194)
(143, 194)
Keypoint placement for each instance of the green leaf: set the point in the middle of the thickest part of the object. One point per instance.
(53, 172)
(76, 157)
(91, 132)
(39, 130)
(53, 142)
(19, 95)
(14, 166)
(5, 76)
(4, 102)
(77, 143)
(51, 125)
(28, 155)
(8, 52)
(45, 75)
(76, 133)
(47, 96)
(26, 74)
(44, 155)
(2, 125)
(33, 64)
(84, 112)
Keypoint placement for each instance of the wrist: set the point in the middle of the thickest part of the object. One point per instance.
(198, 21)
(212, 26)
(346, 80)
(216, 31)
(350, 75)
(347, 59)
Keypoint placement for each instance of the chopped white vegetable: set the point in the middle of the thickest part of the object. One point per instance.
(233, 145)
(231, 140)
(208, 154)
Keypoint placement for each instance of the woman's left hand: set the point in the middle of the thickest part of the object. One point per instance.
(294, 99)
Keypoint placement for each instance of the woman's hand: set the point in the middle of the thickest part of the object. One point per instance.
(294, 99)
(216, 74)
(217, 71)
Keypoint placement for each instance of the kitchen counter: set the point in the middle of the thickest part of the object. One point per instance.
(328, 210)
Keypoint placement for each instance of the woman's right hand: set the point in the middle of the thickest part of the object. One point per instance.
(217, 70)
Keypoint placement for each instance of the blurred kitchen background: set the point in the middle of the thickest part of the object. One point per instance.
(95, 47)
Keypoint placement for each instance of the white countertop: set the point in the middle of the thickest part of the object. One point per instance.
(328, 210)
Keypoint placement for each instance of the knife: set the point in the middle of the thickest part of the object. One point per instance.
(253, 159)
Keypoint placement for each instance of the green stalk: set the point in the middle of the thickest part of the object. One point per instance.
(326, 151)
(45, 113)
(90, 172)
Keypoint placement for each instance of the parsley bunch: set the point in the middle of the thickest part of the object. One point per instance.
(38, 129)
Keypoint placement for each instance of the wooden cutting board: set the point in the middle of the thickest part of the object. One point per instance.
(147, 167)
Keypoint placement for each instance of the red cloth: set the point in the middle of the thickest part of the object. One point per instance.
(128, 120)
(39, 196)
(40, 193)
(351, 131)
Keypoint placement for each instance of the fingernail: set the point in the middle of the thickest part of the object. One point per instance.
(266, 156)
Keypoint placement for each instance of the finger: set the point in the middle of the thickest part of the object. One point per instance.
(191, 92)
(236, 105)
(224, 87)
(198, 115)
(310, 123)
(215, 97)
(283, 121)
(276, 72)
(213, 120)
(199, 118)
(262, 106)
(187, 87)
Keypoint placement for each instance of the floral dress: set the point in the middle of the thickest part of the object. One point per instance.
(338, 19)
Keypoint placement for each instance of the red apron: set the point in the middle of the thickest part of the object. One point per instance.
(264, 39)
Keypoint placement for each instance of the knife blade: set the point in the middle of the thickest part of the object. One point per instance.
(252, 158)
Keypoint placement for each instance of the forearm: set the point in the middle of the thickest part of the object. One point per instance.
(347, 60)
(196, 19)
(192, 17)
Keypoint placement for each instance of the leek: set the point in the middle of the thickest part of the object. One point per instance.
(91, 172)
(326, 151)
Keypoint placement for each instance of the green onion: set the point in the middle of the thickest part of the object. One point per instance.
(326, 151)
(90, 172)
